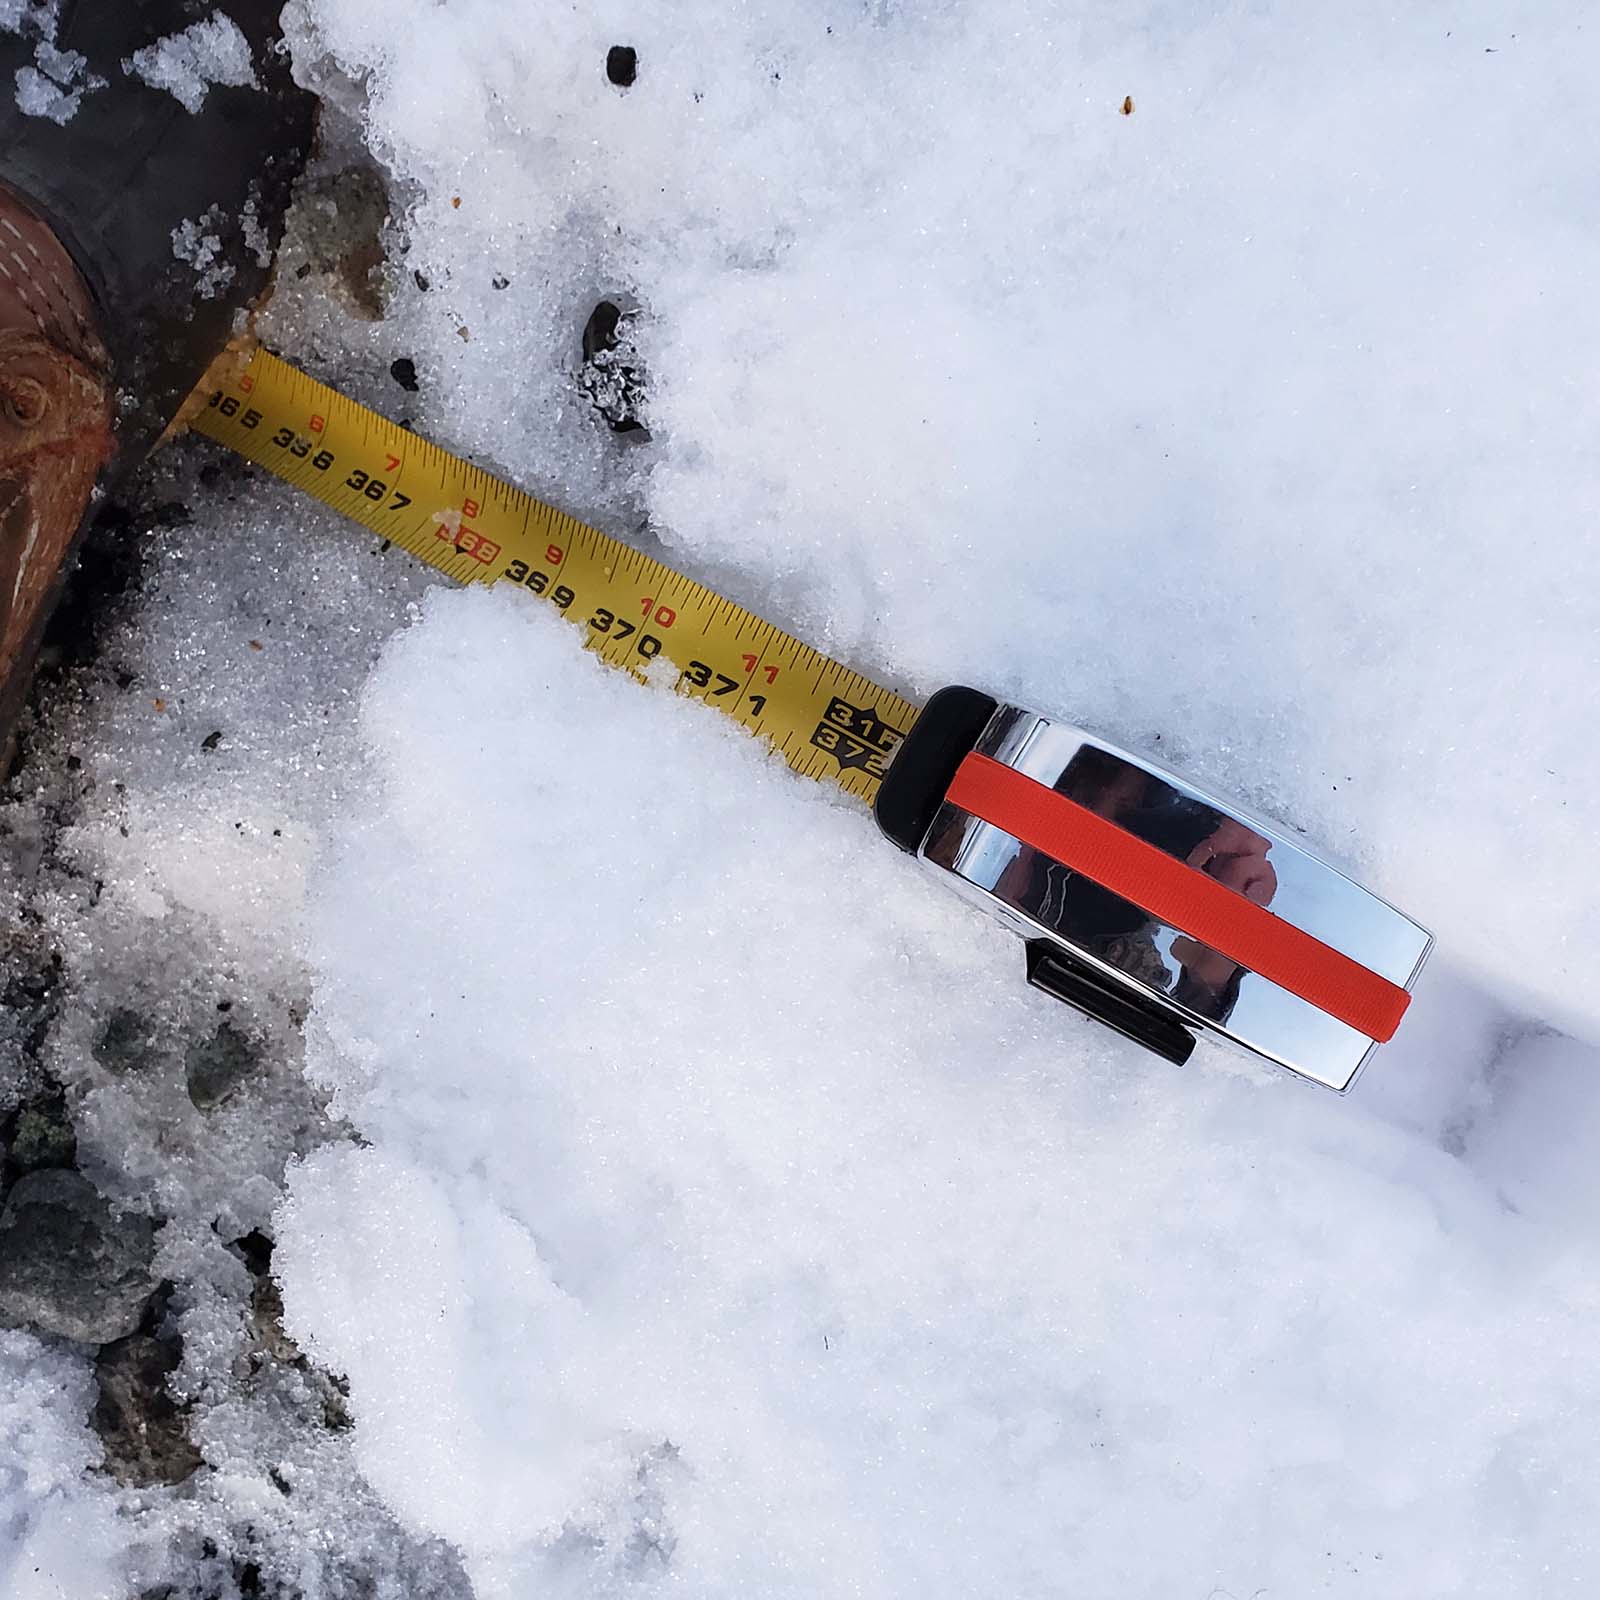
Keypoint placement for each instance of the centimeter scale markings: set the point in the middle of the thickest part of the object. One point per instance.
(827, 721)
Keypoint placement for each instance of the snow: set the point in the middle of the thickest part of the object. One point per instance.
(169, 877)
(1296, 339)
(55, 86)
(713, 1153)
(39, 96)
(59, 1537)
(37, 16)
(198, 245)
(186, 64)
(701, 1199)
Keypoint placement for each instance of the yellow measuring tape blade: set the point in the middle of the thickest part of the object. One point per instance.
(827, 721)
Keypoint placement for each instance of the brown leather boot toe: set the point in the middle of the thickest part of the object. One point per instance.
(55, 424)
(106, 324)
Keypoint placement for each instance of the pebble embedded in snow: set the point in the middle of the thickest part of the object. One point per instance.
(69, 1264)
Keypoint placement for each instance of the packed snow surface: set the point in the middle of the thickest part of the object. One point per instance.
(732, 1212)
(726, 1217)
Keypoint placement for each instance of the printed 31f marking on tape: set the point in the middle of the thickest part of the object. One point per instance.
(1219, 922)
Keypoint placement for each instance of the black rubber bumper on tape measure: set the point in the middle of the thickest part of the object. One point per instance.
(942, 736)
(918, 778)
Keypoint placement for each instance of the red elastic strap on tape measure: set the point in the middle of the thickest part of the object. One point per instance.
(1179, 895)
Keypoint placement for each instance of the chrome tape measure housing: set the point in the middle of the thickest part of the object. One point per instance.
(1152, 905)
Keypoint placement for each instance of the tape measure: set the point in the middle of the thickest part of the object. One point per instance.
(1153, 906)
(827, 721)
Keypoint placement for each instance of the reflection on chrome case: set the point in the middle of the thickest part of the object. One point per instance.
(1113, 929)
(1162, 965)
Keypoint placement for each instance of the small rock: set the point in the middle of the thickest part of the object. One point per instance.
(42, 1136)
(349, 210)
(336, 1416)
(404, 372)
(128, 1042)
(613, 374)
(254, 1249)
(69, 1264)
(215, 1067)
(30, 992)
(266, 1312)
(139, 1423)
(622, 65)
